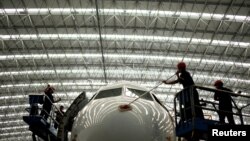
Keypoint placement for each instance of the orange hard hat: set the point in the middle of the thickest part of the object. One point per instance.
(181, 65)
(218, 83)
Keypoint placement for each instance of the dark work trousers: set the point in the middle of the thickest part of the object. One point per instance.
(226, 113)
(185, 102)
(46, 110)
(56, 125)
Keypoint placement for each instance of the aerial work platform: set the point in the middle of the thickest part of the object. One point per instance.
(40, 127)
(194, 127)
(44, 129)
(37, 124)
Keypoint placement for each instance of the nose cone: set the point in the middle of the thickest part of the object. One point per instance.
(103, 121)
(117, 127)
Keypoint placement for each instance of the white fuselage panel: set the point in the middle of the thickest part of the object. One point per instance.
(101, 120)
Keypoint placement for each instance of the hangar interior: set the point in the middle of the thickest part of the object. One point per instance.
(82, 45)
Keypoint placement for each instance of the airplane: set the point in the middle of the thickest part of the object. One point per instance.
(123, 111)
(113, 114)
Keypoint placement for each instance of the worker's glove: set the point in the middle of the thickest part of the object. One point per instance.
(177, 72)
(165, 82)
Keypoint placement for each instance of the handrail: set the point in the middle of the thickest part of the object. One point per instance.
(27, 109)
(222, 111)
(53, 104)
(216, 90)
(191, 90)
(51, 117)
(239, 110)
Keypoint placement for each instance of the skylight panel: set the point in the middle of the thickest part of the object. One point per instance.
(15, 133)
(118, 56)
(11, 121)
(12, 97)
(14, 106)
(14, 114)
(131, 72)
(124, 37)
(125, 12)
(14, 127)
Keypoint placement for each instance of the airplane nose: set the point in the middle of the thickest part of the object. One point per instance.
(106, 122)
(119, 126)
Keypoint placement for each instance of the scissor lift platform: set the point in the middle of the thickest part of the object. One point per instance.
(196, 124)
(40, 127)
(190, 124)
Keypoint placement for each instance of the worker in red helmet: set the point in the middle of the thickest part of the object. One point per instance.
(48, 102)
(184, 78)
(225, 102)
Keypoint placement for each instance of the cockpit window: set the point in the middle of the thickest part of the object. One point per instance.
(109, 93)
(136, 93)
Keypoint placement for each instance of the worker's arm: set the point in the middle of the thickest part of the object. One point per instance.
(173, 81)
(170, 82)
(59, 99)
(239, 93)
(216, 97)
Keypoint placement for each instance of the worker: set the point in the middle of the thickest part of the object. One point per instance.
(225, 103)
(59, 116)
(48, 102)
(184, 77)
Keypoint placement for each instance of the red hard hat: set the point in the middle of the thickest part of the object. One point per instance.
(218, 83)
(50, 88)
(181, 65)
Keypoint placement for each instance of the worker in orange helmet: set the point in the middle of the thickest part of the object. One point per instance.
(48, 102)
(225, 103)
(184, 78)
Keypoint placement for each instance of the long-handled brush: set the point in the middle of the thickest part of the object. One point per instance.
(127, 107)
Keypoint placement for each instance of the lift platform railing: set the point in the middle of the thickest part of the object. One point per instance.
(52, 113)
(186, 106)
(34, 100)
(189, 111)
(235, 106)
(35, 110)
